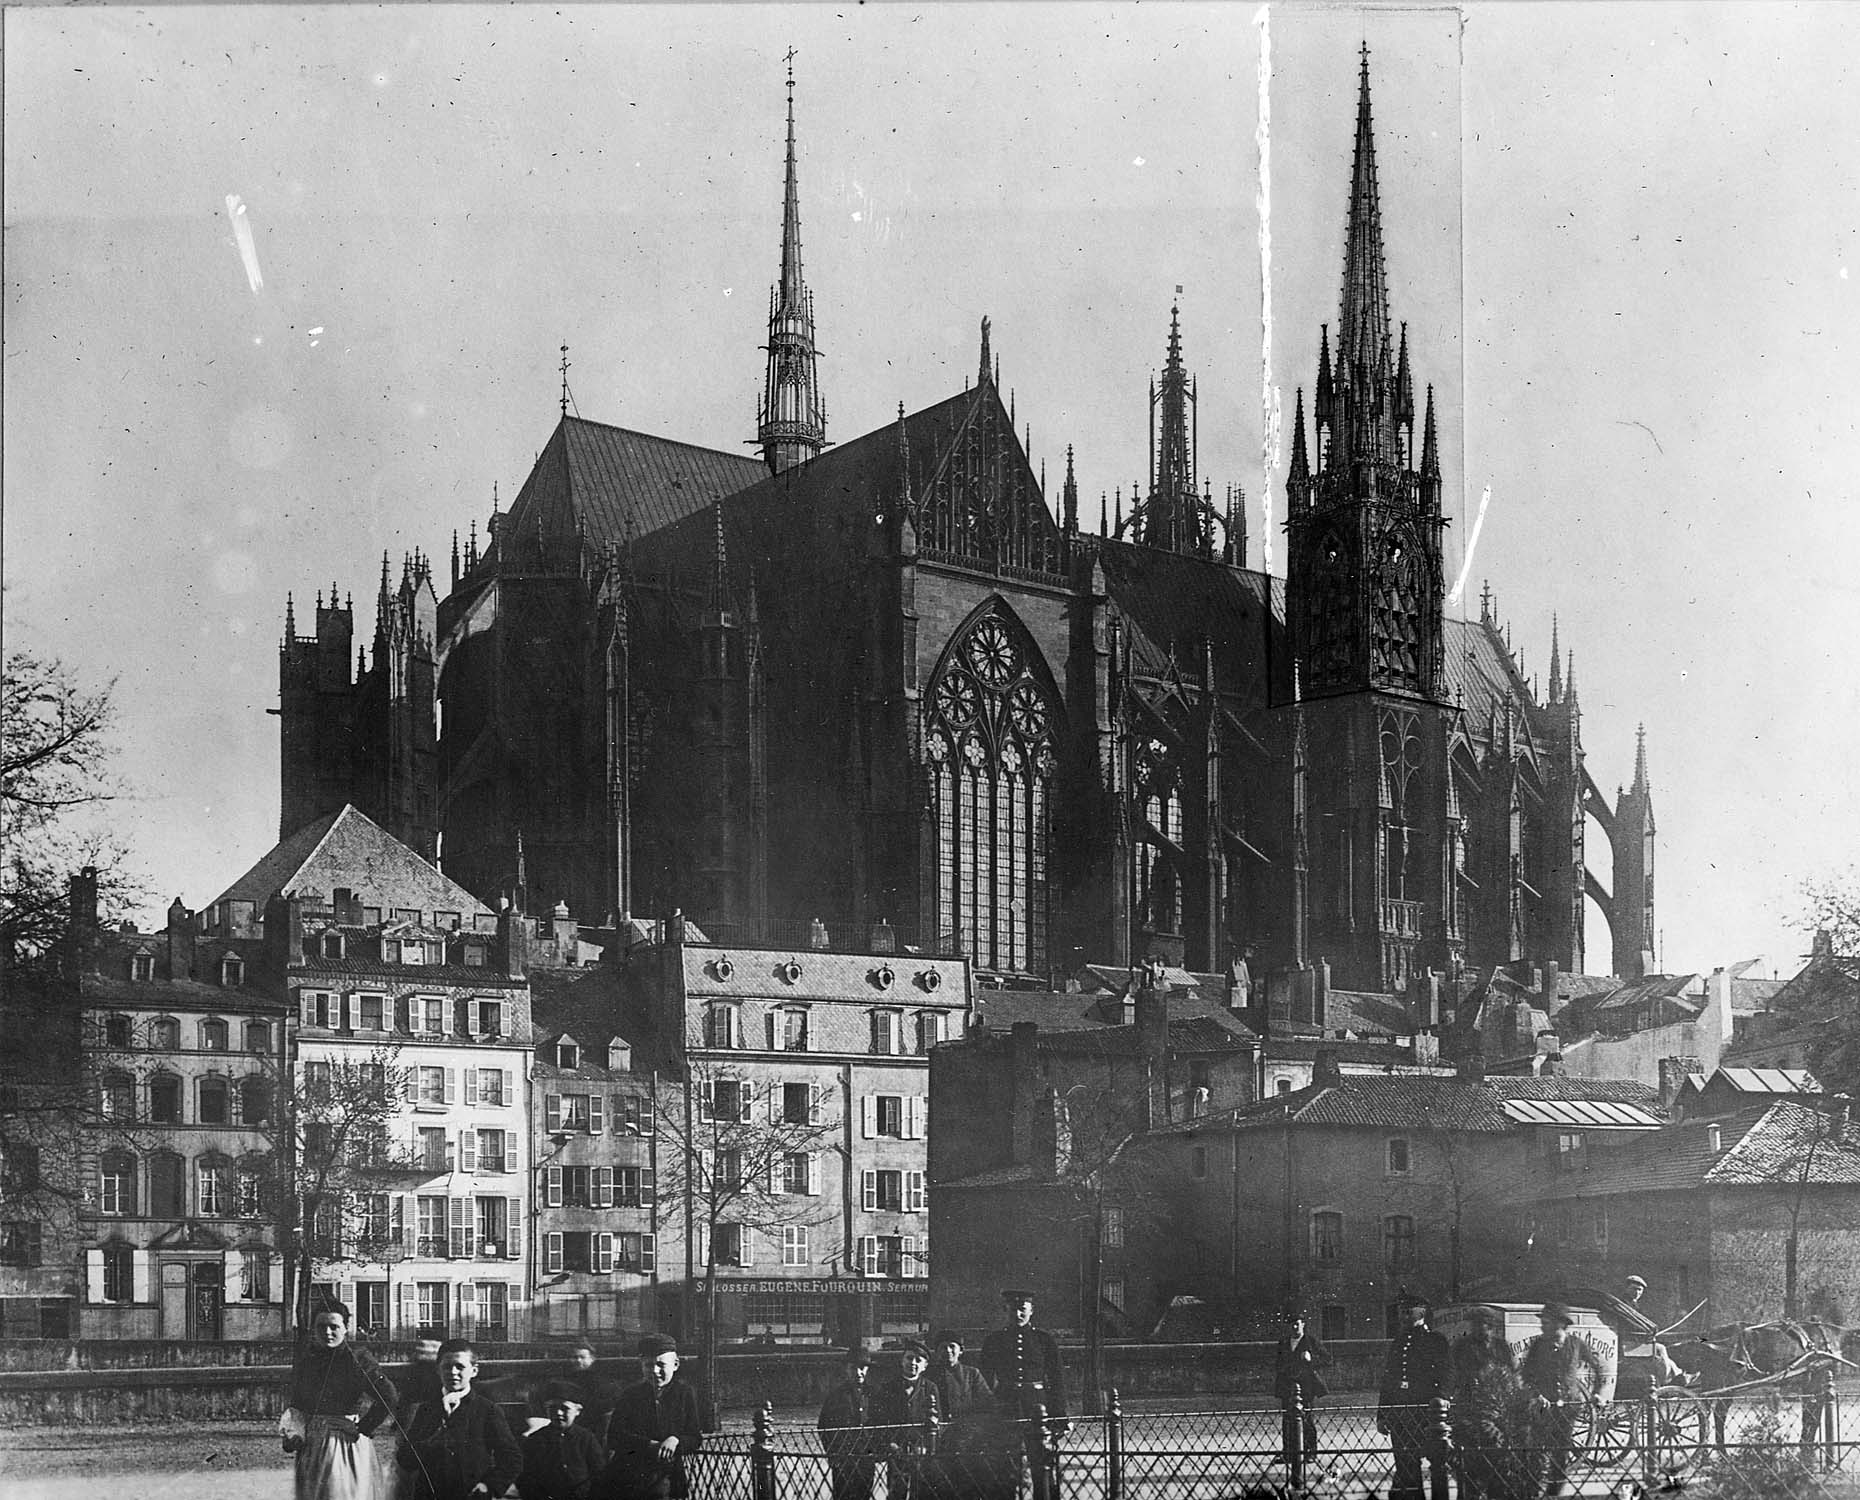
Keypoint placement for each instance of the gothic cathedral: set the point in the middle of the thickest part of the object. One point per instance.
(883, 689)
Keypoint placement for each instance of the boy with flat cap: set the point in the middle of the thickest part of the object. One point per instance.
(655, 1424)
(561, 1460)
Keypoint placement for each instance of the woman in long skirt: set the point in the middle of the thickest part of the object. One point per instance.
(338, 1398)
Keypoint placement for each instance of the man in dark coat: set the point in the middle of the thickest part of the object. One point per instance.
(1564, 1378)
(458, 1446)
(906, 1410)
(1296, 1382)
(655, 1426)
(561, 1460)
(1412, 1403)
(973, 1424)
(962, 1390)
(845, 1419)
(1487, 1432)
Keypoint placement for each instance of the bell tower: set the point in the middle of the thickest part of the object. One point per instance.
(1365, 598)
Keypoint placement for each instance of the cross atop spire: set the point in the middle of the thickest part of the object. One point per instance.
(1640, 760)
(565, 380)
(792, 425)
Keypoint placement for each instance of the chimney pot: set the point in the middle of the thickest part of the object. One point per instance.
(1714, 1138)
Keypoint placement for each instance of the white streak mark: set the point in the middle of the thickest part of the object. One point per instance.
(1270, 412)
(1472, 543)
(242, 235)
(314, 332)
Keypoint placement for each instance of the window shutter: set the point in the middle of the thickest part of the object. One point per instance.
(745, 1100)
(139, 1276)
(907, 1255)
(777, 1174)
(596, 1104)
(93, 1276)
(403, 1014)
(649, 1252)
(774, 1026)
(351, 1010)
(461, 1017)
(913, 1117)
(513, 1229)
(409, 1309)
(648, 1189)
(552, 1113)
(648, 1113)
(468, 1308)
(468, 1151)
(345, 1294)
(452, 1084)
(745, 1245)
(603, 1187)
(603, 1254)
(868, 1255)
(398, 1219)
(815, 1094)
(868, 1185)
(410, 1084)
(308, 1003)
(510, 1150)
(868, 1115)
(471, 1085)
(914, 1192)
(707, 1099)
(459, 1240)
(509, 1094)
(813, 1173)
(554, 1198)
(231, 1280)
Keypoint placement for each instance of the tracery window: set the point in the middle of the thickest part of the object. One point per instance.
(1159, 884)
(989, 742)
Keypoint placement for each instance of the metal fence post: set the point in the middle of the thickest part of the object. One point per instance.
(1040, 1455)
(1649, 1439)
(762, 1455)
(1292, 1433)
(1113, 1447)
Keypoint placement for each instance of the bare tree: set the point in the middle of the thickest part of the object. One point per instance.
(333, 1154)
(733, 1164)
(56, 775)
(1833, 908)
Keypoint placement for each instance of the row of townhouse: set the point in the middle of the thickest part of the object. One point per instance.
(346, 1076)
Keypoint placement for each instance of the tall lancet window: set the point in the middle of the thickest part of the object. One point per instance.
(988, 738)
(1159, 839)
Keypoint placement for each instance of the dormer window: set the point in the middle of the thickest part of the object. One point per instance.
(142, 967)
(333, 944)
(620, 1056)
(413, 952)
(567, 1054)
(232, 972)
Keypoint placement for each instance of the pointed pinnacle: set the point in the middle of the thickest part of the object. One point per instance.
(986, 372)
(1300, 464)
(1430, 442)
(1640, 759)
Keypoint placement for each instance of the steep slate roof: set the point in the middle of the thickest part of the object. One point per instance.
(349, 849)
(1762, 1147)
(1050, 1010)
(1477, 670)
(619, 484)
(1366, 1013)
(1173, 599)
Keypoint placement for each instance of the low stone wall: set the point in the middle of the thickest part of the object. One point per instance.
(154, 1383)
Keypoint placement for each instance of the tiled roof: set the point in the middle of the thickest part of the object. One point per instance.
(594, 1005)
(1562, 1086)
(1760, 1147)
(348, 849)
(1420, 1102)
(1365, 1013)
(1050, 1010)
(1660, 987)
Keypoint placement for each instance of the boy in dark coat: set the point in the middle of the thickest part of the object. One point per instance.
(459, 1446)
(845, 1420)
(655, 1425)
(561, 1461)
(1297, 1384)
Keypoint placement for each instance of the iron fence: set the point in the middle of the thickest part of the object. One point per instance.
(1779, 1446)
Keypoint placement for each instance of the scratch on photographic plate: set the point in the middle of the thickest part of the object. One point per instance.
(1268, 394)
(242, 235)
(1472, 545)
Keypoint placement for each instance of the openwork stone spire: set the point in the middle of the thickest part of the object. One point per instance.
(793, 423)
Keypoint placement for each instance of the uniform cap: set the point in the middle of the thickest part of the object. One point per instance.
(1015, 1295)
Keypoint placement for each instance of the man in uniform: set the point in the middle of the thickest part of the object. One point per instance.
(1412, 1404)
(1022, 1364)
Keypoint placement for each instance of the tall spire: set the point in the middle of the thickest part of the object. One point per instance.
(1069, 496)
(1363, 329)
(793, 423)
(1172, 515)
(1556, 662)
(1640, 787)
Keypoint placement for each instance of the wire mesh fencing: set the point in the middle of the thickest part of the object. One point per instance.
(1780, 1446)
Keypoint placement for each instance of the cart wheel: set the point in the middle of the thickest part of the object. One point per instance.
(1679, 1427)
(1605, 1433)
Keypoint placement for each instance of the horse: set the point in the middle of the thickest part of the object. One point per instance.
(1732, 1355)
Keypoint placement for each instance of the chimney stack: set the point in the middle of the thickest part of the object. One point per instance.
(180, 941)
(1714, 1138)
(1325, 1068)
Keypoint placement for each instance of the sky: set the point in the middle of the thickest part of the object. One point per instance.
(285, 289)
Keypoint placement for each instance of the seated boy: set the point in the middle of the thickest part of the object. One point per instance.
(561, 1460)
